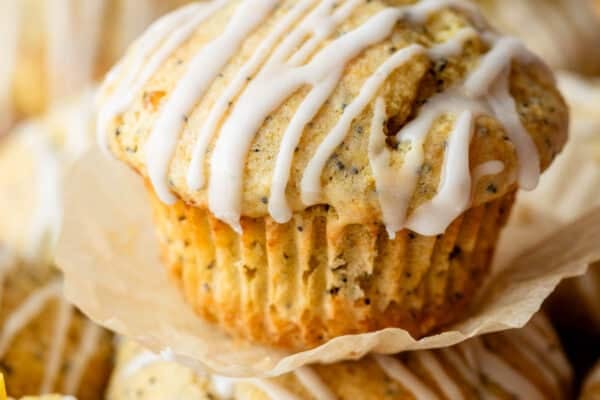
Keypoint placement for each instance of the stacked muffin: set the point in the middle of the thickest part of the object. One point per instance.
(318, 168)
(312, 182)
(525, 363)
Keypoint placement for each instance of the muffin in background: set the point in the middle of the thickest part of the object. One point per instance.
(320, 212)
(526, 363)
(46, 345)
(34, 157)
(53, 50)
(569, 189)
(562, 32)
(591, 386)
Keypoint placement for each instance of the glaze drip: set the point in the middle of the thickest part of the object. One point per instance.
(295, 54)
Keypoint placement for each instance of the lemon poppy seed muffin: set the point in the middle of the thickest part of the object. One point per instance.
(55, 49)
(320, 168)
(46, 345)
(527, 363)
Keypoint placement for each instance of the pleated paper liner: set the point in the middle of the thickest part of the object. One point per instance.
(110, 256)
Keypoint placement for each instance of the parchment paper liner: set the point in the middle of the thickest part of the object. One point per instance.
(109, 255)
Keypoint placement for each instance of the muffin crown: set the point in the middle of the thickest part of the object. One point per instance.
(405, 114)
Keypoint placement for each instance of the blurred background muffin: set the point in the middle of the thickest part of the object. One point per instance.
(526, 363)
(46, 345)
(565, 33)
(290, 220)
(51, 50)
(34, 157)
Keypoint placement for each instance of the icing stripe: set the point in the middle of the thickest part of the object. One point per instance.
(149, 55)
(59, 336)
(311, 180)
(83, 354)
(30, 308)
(450, 389)
(195, 177)
(267, 91)
(397, 371)
(497, 370)
(201, 72)
(313, 383)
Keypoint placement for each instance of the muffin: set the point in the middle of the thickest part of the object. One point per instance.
(46, 345)
(33, 159)
(569, 189)
(591, 386)
(561, 31)
(53, 50)
(313, 182)
(527, 363)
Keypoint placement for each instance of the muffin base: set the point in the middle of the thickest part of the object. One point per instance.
(299, 284)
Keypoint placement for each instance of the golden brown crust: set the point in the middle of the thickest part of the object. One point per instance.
(347, 179)
(299, 284)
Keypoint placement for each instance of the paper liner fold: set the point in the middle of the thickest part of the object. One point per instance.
(110, 257)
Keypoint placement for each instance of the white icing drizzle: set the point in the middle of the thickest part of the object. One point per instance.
(139, 362)
(314, 384)
(195, 176)
(454, 193)
(224, 387)
(282, 63)
(9, 31)
(311, 180)
(28, 310)
(397, 371)
(200, 74)
(437, 372)
(498, 370)
(535, 357)
(47, 215)
(273, 390)
(83, 353)
(150, 52)
(505, 110)
(493, 167)
(55, 353)
(540, 343)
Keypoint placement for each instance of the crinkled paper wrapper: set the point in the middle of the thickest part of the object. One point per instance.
(110, 257)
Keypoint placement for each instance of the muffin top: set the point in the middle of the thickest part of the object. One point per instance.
(527, 362)
(399, 112)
